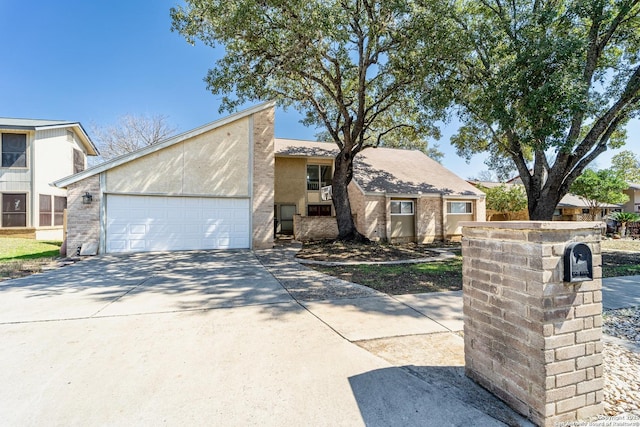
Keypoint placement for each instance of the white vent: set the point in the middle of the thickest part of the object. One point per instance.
(326, 193)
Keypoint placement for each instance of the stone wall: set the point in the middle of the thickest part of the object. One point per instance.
(530, 338)
(263, 179)
(83, 225)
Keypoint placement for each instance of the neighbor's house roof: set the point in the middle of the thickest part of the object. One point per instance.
(37, 124)
(634, 186)
(387, 170)
(573, 201)
(129, 157)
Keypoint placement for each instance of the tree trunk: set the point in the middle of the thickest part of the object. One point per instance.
(541, 209)
(342, 176)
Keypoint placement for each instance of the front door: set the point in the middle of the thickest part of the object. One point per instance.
(286, 218)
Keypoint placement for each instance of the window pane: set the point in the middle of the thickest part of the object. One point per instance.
(319, 210)
(406, 207)
(78, 161)
(325, 173)
(395, 207)
(59, 205)
(313, 177)
(14, 150)
(459, 207)
(14, 210)
(45, 210)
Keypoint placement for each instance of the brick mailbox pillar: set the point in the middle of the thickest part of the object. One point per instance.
(531, 338)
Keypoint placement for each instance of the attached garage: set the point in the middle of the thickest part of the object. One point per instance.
(209, 188)
(148, 223)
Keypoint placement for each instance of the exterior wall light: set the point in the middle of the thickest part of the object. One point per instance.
(87, 198)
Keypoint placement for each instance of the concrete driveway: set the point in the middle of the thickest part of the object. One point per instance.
(211, 338)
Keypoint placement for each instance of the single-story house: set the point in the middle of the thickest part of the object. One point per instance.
(222, 186)
(36, 152)
(396, 195)
(209, 188)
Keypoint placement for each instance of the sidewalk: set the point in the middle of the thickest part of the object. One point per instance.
(419, 334)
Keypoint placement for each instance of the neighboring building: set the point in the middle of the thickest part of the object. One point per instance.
(396, 195)
(633, 205)
(570, 208)
(209, 188)
(575, 208)
(34, 154)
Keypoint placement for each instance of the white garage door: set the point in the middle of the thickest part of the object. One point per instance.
(148, 223)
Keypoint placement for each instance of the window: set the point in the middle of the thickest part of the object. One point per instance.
(401, 207)
(14, 150)
(59, 205)
(78, 161)
(318, 176)
(585, 211)
(459, 207)
(14, 210)
(319, 210)
(45, 210)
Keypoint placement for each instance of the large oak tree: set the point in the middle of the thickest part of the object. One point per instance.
(546, 84)
(333, 60)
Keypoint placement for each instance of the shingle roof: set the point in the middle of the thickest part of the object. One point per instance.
(634, 186)
(573, 201)
(7, 122)
(388, 170)
(39, 124)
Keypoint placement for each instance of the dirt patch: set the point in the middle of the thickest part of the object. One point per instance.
(21, 268)
(435, 276)
(336, 251)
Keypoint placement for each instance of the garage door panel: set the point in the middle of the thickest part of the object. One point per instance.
(147, 223)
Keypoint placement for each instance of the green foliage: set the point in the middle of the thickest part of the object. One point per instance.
(605, 186)
(548, 85)
(625, 217)
(339, 62)
(506, 200)
(626, 163)
(334, 61)
(12, 248)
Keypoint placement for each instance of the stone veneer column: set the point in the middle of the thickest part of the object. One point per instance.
(530, 338)
(83, 221)
(263, 179)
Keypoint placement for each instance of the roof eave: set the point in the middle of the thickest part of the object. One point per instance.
(64, 182)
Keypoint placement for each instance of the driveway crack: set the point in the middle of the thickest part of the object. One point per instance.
(120, 297)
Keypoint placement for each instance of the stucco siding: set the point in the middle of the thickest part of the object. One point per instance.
(215, 163)
(290, 182)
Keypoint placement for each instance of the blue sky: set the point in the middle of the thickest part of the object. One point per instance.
(93, 61)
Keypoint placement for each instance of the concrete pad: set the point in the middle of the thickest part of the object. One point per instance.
(442, 307)
(621, 292)
(372, 317)
(258, 365)
(75, 291)
(201, 287)
(439, 349)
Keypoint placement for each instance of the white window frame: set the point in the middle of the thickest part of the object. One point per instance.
(466, 203)
(413, 210)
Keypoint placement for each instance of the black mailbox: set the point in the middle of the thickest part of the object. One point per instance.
(578, 263)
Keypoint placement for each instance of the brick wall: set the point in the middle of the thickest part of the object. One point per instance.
(263, 179)
(314, 227)
(530, 338)
(83, 224)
